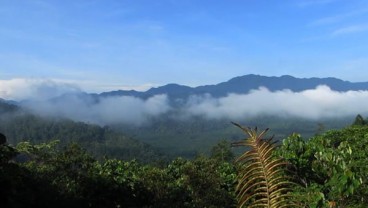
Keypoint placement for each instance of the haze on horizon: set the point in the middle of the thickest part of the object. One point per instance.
(118, 44)
(312, 104)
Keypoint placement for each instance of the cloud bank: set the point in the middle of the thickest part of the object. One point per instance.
(54, 98)
(318, 103)
(104, 111)
(35, 89)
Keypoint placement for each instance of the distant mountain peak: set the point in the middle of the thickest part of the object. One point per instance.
(243, 84)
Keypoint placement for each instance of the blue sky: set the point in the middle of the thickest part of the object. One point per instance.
(119, 44)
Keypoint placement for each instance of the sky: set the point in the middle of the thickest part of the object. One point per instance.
(104, 45)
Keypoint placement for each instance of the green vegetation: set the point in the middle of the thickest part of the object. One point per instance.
(330, 168)
(61, 163)
(189, 136)
(360, 121)
(161, 138)
(100, 141)
(45, 176)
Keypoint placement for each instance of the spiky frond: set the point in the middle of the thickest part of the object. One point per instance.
(262, 181)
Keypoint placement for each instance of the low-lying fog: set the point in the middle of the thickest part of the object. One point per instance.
(317, 103)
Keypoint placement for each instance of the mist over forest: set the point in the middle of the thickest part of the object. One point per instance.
(184, 104)
(149, 152)
(53, 99)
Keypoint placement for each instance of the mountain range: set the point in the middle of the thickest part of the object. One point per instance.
(238, 85)
(185, 130)
(242, 85)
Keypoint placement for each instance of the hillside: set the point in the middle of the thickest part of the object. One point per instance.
(185, 121)
(19, 125)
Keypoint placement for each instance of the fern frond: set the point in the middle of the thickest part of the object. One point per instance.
(262, 181)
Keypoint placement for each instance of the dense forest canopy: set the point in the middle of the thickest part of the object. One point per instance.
(329, 170)
(161, 135)
(74, 164)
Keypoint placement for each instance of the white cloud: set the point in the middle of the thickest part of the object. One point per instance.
(128, 109)
(110, 110)
(317, 103)
(19, 89)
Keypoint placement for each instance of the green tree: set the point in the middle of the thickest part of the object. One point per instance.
(18, 187)
(222, 151)
(332, 167)
(359, 121)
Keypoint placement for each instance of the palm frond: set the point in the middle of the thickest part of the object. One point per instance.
(262, 181)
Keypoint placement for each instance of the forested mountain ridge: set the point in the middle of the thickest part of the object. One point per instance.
(19, 125)
(330, 167)
(173, 136)
(327, 170)
(166, 129)
(242, 85)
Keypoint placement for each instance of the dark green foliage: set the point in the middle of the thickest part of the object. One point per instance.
(67, 172)
(47, 175)
(187, 137)
(2, 139)
(101, 141)
(359, 121)
(6, 152)
(331, 167)
(199, 183)
(169, 135)
(222, 151)
(208, 182)
(17, 183)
